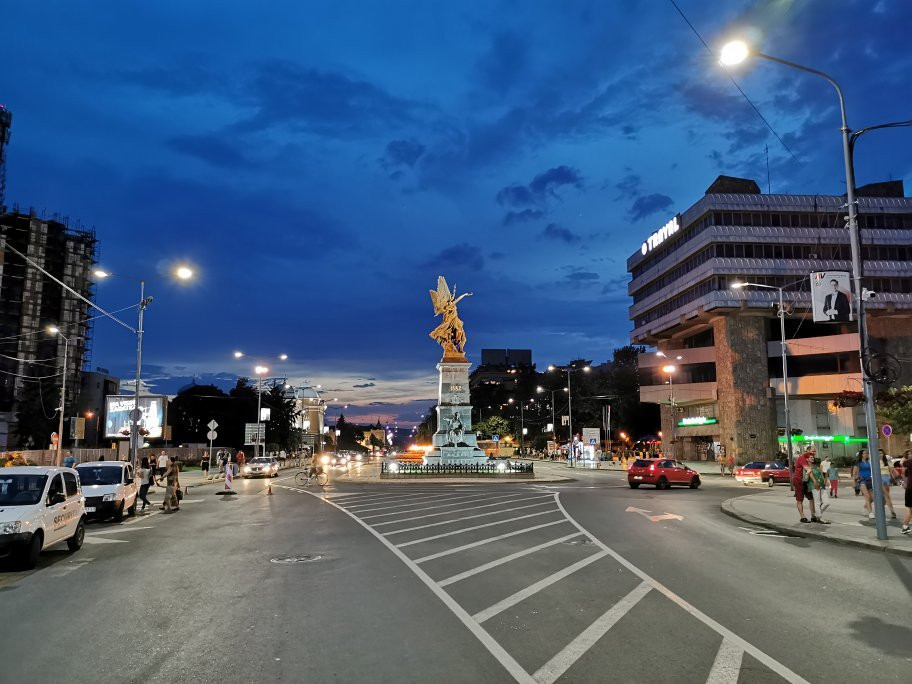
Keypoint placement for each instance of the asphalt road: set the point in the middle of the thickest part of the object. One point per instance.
(456, 583)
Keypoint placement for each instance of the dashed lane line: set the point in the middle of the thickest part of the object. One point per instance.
(560, 663)
(475, 527)
(459, 510)
(532, 589)
(506, 559)
(467, 517)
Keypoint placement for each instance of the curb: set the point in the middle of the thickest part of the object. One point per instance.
(873, 545)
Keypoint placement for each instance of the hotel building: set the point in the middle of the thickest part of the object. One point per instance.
(723, 387)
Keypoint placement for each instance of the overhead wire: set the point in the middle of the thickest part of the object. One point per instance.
(735, 83)
(10, 338)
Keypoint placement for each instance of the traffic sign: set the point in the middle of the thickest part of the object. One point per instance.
(495, 438)
(887, 430)
(212, 425)
(55, 438)
(135, 415)
(211, 435)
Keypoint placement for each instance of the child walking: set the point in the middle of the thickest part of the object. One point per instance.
(833, 477)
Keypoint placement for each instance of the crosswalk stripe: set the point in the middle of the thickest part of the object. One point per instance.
(726, 667)
(487, 514)
(475, 527)
(431, 508)
(412, 502)
(470, 508)
(572, 652)
(506, 559)
(482, 542)
(533, 589)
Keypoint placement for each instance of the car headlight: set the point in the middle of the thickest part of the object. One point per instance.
(109, 497)
(11, 527)
(324, 460)
(246, 469)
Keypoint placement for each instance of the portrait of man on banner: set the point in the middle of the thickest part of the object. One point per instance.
(831, 295)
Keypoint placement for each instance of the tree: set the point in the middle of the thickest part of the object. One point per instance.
(282, 418)
(191, 410)
(36, 416)
(427, 427)
(895, 406)
(493, 425)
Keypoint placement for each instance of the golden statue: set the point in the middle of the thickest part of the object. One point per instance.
(449, 334)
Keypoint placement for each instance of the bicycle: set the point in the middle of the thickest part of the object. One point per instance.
(303, 479)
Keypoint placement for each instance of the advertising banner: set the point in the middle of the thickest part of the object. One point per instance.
(831, 296)
(591, 436)
(151, 419)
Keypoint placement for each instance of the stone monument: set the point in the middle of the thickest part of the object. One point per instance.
(454, 441)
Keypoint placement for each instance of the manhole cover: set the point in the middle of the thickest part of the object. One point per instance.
(288, 560)
(580, 542)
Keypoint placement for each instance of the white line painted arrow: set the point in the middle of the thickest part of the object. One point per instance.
(653, 518)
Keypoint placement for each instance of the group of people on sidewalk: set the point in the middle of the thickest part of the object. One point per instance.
(810, 479)
(168, 469)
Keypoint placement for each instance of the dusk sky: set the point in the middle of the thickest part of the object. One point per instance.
(320, 163)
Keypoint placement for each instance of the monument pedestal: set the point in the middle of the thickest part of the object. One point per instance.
(455, 440)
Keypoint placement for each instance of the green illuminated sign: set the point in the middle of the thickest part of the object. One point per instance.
(697, 420)
(845, 439)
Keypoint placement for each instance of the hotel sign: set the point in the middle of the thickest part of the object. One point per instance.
(697, 420)
(658, 237)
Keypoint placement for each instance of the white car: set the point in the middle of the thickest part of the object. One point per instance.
(39, 507)
(109, 489)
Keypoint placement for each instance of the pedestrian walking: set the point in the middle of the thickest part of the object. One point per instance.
(170, 504)
(825, 469)
(816, 482)
(204, 466)
(907, 488)
(861, 473)
(146, 479)
(731, 465)
(886, 479)
(721, 460)
(162, 463)
(832, 473)
(799, 483)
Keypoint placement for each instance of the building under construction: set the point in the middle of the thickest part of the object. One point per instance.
(6, 121)
(32, 359)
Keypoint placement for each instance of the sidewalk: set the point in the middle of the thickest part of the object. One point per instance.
(775, 509)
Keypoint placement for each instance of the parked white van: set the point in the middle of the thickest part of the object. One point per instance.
(109, 489)
(39, 507)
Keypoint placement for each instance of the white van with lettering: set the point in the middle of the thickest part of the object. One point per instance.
(109, 488)
(39, 507)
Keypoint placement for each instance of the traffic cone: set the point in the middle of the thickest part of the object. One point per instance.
(269, 489)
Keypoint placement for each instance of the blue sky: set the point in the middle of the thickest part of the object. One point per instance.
(321, 163)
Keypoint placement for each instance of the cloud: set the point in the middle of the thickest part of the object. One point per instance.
(210, 148)
(402, 153)
(629, 186)
(516, 196)
(504, 64)
(557, 232)
(365, 385)
(582, 275)
(542, 187)
(497, 256)
(463, 255)
(524, 216)
(646, 205)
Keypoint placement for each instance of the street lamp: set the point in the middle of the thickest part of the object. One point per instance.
(522, 424)
(734, 53)
(54, 330)
(569, 370)
(553, 423)
(670, 369)
(260, 372)
(181, 273)
(785, 377)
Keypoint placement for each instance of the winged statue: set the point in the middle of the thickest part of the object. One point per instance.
(449, 334)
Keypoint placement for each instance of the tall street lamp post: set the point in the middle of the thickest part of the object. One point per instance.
(54, 330)
(181, 273)
(785, 376)
(522, 424)
(671, 400)
(259, 371)
(569, 370)
(734, 53)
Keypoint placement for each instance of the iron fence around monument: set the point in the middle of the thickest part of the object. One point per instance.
(498, 470)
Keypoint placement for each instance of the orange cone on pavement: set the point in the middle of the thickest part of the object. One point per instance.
(269, 489)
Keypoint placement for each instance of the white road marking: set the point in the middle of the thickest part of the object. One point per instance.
(474, 527)
(449, 505)
(532, 589)
(458, 510)
(405, 498)
(573, 651)
(115, 530)
(726, 633)
(494, 648)
(61, 570)
(441, 554)
(727, 665)
(653, 518)
(103, 540)
(451, 497)
(487, 514)
(506, 559)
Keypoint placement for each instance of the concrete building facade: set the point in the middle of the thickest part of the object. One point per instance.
(719, 379)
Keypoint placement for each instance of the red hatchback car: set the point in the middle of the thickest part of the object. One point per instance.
(661, 472)
(766, 472)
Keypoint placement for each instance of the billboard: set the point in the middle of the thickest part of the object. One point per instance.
(117, 416)
(831, 295)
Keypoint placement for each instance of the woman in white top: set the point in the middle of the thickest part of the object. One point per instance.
(886, 478)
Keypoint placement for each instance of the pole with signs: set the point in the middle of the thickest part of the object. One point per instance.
(212, 434)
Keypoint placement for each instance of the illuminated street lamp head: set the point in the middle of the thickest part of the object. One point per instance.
(53, 329)
(550, 368)
(587, 368)
(734, 52)
(99, 273)
(539, 389)
(283, 357)
(183, 272)
(510, 400)
(238, 354)
(669, 369)
(261, 370)
(737, 286)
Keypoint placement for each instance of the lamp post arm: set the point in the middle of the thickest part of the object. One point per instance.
(829, 79)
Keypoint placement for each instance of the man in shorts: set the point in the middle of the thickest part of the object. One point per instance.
(800, 484)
